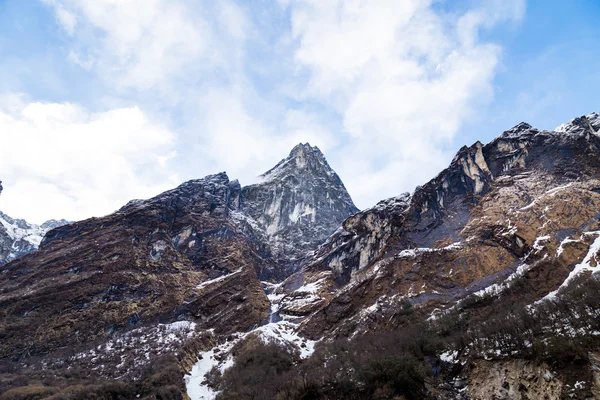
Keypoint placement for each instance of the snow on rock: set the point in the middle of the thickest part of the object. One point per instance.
(561, 247)
(592, 256)
(411, 253)
(219, 279)
(298, 203)
(195, 382)
(582, 125)
(282, 333)
(450, 357)
(131, 350)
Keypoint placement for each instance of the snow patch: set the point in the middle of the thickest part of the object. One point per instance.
(219, 279)
(585, 265)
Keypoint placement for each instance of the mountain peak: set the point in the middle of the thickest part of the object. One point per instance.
(517, 130)
(299, 203)
(585, 124)
(305, 148)
(303, 157)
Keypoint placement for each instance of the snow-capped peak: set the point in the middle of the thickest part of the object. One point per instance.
(19, 237)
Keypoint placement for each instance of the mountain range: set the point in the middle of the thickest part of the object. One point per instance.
(480, 284)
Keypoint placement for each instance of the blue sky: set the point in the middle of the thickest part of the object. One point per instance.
(102, 101)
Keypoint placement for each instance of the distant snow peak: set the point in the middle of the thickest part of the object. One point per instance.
(18, 237)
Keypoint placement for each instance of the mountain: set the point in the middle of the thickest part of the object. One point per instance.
(168, 275)
(496, 208)
(298, 204)
(482, 283)
(19, 237)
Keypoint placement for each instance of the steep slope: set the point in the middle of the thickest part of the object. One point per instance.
(182, 256)
(298, 203)
(497, 210)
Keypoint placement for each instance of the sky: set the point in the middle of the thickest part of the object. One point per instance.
(104, 101)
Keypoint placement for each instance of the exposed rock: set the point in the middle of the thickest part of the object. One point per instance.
(513, 380)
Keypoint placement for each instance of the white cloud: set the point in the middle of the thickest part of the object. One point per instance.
(403, 76)
(65, 162)
(74, 57)
(143, 44)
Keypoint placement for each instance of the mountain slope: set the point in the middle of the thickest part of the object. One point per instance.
(166, 276)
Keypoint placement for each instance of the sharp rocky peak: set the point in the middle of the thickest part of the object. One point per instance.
(299, 203)
(303, 160)
(582, 125)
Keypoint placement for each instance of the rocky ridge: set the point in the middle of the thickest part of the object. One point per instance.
(470, 227)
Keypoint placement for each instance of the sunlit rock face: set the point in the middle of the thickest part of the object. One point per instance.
(299, 203)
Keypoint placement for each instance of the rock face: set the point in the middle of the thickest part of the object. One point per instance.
(298, 204)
